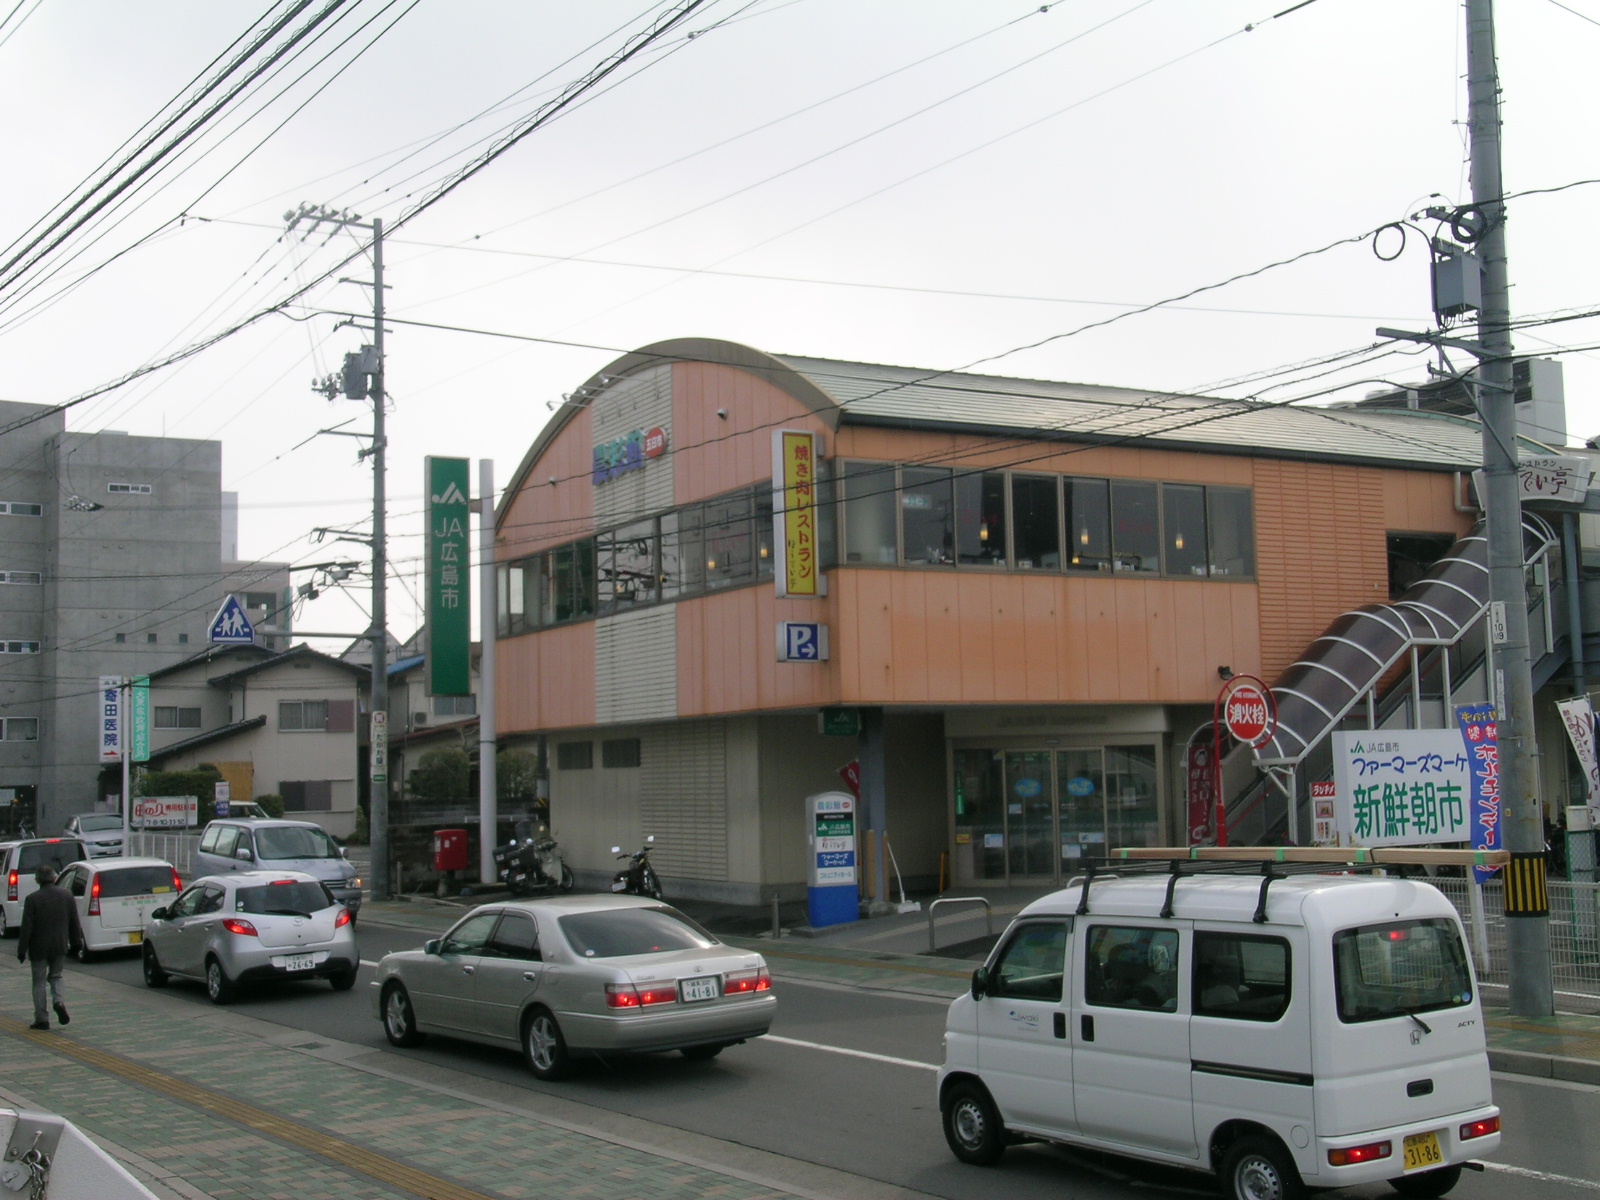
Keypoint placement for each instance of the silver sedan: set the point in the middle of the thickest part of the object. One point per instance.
(249, 927)
(569, 976)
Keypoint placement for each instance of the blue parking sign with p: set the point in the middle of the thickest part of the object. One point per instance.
(802, 641)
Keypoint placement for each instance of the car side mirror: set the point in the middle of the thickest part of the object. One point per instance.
(243, 854)
(980, 983)
(342, 853)
(431, 946)
(158, 914)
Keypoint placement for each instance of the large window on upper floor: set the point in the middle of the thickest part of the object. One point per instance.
(921, 515)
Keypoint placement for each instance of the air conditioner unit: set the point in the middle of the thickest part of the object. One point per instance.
(420, 718)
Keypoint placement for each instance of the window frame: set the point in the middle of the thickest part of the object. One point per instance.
(1197, 1006)
(992, 985)
(302, 727)
(1112, 923)
(21, 723)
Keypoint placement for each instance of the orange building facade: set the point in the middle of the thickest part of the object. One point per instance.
(1031, 589)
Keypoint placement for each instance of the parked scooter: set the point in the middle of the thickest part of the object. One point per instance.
(528, 865)
(639, 878)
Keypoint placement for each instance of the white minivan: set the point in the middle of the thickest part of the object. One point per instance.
(1315, 1031)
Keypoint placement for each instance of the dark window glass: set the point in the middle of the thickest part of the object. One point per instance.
(981, 519)
(574, 756)
(208, 840)
(116, 882)
(185, 905)
(729, 553)
(562, 570)
(626, 564)
(683, 552)
(541, 577)
(1036, 524)
(515, 937)
(73, 880)
(620, 932)
(471, 936)
(1032, 964)
(1088, 525)
(1240, 976)
(300, 898)
(1183, 513)
(227, 839)
(827, 518)
(584, 599)
(277, 842)
(1400, 967)
(1128, 967)
(519, 597)
(619, 753)
(211, 900)
(927, 511)
(764, 533)
(1135, 526)
(1133, 816)
(1233, 538)
(302, 715)
(869, 521)
(58, 854)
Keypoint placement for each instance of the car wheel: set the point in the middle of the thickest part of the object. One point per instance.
(342, 981)
(154, 976)
(218, 986)
(1258, 1168)
(544, 1047)
(703, 1053)
(5, 928)
(1428, 1184)
(652, 885)
(972, 1125)
(399, 1021)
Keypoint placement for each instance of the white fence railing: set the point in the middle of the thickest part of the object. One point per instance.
(177, 848)
(1574, 920)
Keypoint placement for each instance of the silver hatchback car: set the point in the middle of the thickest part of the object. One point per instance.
(568, 976)
(250, 927)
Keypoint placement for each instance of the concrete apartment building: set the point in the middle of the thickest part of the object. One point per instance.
(115, 553)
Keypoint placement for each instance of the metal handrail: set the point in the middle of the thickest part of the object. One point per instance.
(988, 913)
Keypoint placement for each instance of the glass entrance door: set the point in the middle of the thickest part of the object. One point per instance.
(1030, 815)
(1080, 778)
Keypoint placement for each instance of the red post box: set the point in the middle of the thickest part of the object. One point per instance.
(450, 850)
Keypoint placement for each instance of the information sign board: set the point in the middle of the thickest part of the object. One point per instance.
(1403, 787)
(449, 607)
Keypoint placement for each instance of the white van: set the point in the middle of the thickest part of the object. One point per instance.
(1338, 1040)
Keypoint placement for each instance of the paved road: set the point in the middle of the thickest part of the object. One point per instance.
(845, 1083)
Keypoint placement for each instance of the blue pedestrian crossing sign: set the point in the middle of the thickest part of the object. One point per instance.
(230, 627)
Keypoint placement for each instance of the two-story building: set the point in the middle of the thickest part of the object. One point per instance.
(1033, 590)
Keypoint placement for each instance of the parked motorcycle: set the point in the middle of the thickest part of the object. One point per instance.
(639, 878)
(528, 865)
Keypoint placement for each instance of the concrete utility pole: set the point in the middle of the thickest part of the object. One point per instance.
(1528, 927)
(488, 623)
(378, 819)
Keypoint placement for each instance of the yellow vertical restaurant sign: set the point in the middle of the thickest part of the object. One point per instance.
(794, 513)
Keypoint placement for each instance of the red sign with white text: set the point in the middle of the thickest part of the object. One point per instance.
(1249, 712)
(1202, 793)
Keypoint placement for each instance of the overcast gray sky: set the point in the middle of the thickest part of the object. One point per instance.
(926, 183)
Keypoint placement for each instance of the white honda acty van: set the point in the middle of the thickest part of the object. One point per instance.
(1315, 1031)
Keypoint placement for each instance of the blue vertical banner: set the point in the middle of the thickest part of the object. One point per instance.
(1480, 730)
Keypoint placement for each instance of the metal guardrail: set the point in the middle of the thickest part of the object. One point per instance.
(177, 848)
(1574, 932)
(988, 913)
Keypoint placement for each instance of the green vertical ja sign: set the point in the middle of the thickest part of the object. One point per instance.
(449, 612)
(139, 722)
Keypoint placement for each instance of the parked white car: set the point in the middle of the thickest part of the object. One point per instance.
(115, 896)
(100, 833)
(1317, 1031)
(18, 861)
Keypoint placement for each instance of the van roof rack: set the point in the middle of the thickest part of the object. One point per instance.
(1276, 862)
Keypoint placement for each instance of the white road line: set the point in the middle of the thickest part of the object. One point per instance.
(867, 1054)
(1542, 1176)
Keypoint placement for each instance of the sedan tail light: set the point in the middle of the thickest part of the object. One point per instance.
(658, 993)
(1350, 1155)
(11, 886)
(626, 995)
(240, 926)
(759, 980)
(1478, 1129)
(342, 919)
(94, 897)
(621, 995)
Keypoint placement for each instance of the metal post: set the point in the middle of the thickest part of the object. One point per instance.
(1527, 934)
(488, 631)
(125, 734)
(875, 798)
(379, 816)
(1570, 564)
(1480, 926)
(1416, 689)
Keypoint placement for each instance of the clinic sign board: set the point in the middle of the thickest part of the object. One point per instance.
(166, 812)
(795, 458)
(1403, 787)
(108, 720)
(832, 896)
(449, 615)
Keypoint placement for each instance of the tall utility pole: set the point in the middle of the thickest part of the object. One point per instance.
(1527, 930)
(363, 378)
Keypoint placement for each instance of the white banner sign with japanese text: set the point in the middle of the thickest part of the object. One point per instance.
(1402, 787)
(1578, 716)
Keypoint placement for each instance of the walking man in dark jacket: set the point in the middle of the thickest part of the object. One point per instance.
(49, 930)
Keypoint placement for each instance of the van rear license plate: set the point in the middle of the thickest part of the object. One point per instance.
(1422, 1152)
(135, 938)
(697, 989)
(304, 962)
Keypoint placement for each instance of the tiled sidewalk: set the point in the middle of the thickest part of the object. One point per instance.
(211, 1100)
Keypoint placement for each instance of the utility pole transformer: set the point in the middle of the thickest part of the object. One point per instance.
(1527, 905)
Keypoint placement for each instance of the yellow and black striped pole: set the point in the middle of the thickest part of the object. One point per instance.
(1526, 893)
